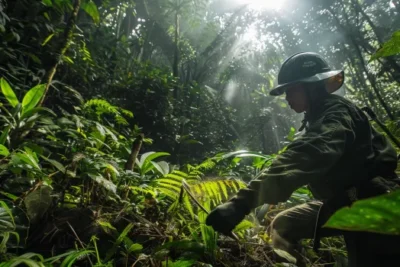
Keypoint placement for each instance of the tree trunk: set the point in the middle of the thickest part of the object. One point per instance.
(176, 52)
(137, 144)
(372, 81)
(175, 65)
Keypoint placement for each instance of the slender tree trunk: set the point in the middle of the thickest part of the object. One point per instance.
(176, 52)
(372, 81)
(68, 36)
(137, 144)
(175, 65)
(361, 82)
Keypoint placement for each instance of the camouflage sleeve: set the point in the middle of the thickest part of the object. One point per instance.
(306, 159)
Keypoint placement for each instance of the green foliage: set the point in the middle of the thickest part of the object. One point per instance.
(8, 93)
(91, 9)
(37, 260)
(28, 259)
(390, 48)
(122, 238)
(4, 151)
(379, 215)
(6, 218)
(209, 236)
(146, 163)
(101, 107)
(32, 98)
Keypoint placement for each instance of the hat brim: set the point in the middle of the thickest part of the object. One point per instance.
(334, 80)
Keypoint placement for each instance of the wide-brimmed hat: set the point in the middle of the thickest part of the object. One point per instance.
(307, 67)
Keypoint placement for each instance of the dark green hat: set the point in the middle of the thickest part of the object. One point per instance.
(307, 67)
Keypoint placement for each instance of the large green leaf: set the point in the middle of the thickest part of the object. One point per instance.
(242, 154)
(104, 182)
(162, 167)
(6, 218)
(4, 151)
(76, 255)
(32, 97)
(135, 248)
(390, 48)
(26, 259)
(4, 135)
(56, 164)
(47, 3)
(38, 202)
(379, 214)
(8, 93)
(27, 158)
(91, 9)
(145, 164)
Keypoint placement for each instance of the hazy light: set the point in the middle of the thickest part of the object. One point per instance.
(230, 91)
(264, 4)
(250, 34)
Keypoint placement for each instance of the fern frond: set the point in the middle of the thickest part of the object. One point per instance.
(136, 189)
(180, 173)
(188, 205)
(206, 165)
(217, 191)
(174, 177)
(173, 207)
(195, 175)
(169, 181)
(169, 193)
(102, 106)
(121, 120)
(173, 188)
(127, 113)
(224, 190)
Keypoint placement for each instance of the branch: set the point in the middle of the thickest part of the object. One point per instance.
(68, 35)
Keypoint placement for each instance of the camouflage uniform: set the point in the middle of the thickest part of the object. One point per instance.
(341, 158)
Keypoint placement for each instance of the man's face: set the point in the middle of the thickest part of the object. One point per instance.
(297, 98)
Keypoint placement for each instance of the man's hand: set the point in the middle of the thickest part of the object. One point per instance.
(225, 217)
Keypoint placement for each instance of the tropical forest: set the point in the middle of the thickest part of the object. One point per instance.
(124, 123)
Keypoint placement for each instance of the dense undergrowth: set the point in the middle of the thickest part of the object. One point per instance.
(70, 196)
(85, 179)
(76, 190)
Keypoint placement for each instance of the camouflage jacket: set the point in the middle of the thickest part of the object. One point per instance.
(340, 149)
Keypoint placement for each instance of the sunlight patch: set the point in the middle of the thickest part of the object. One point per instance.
(264, 4)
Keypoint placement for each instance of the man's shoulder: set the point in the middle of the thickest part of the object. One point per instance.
(335, 104)
(338, 102)
(344, 110)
